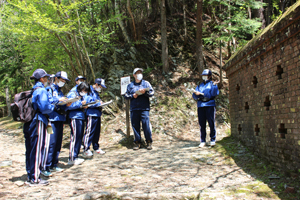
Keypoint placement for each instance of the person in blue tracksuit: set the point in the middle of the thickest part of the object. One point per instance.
(205, 94)
(57, 119)
(36, 130)
(78, 80)
(77, 117)
(93, 125)
(139, 92)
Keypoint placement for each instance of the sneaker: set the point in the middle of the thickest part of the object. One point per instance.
(87, 153)
(56, 169)
(136, 146)
(81, 147)
(202, 144)
(212, 143)
(149, 145)
(46, 173)
(27, 182)
(77, 161)
(41, 182)
(99, 151)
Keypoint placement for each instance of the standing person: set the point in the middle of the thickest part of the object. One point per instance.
(35, 131)
(139, 91)
(77, 117)
(205, 94)
(93, 125)
(57, 118)
(78, 80)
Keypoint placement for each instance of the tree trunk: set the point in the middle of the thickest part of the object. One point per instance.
(154, 10)
(269, 12)
(259, 13)
(199, 50)
(164, 42)
(147, 7)
(84, 48)
(132, 18)
(7, 101)
(184, 21)
(117, 7)
(221, 67)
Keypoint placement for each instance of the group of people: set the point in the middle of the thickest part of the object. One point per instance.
(44, 134)
(43, 148)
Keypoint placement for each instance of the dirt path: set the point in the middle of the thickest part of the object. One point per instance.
(174, 169)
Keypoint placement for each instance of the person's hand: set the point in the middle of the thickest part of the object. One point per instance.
(198, 93)
(142, 91)
(83, 102)
(68, 104)
(135, 95)
(63, 99)
(216, 82)
(101, 102)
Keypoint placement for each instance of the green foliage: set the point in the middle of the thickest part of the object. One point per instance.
(232, 22)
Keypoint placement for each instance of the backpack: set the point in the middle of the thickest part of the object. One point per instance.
(22, 109)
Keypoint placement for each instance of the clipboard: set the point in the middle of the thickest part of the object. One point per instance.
(71, 100)
(106, 103)
(138, 93)
(91, 103)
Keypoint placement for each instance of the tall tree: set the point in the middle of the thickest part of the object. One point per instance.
(7, 101)
(164, 42)
(199, 49)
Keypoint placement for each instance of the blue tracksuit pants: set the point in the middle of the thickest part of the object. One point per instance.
(92, 133)
(77, 130)
(54, 144)
(207, 114)
(34, 133)
(138, 116)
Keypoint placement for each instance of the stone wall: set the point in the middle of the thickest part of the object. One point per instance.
(264, 92)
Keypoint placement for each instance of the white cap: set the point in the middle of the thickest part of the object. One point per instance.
(137, 69)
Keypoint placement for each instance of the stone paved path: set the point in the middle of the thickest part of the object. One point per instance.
(174, 169)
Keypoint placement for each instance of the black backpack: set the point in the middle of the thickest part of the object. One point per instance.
(22, 109)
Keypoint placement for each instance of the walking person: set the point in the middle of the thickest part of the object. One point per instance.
(205, 94)
(35, 131)
(139, 91)
(93, 124)
(77, 117)
(57, 118)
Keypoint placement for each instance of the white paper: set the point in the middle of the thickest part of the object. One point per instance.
(61, 103)
(124, 82)
(138, 92)
(91, 103)
(106, 103)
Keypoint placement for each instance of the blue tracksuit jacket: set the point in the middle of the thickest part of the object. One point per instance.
(41, 103)
(210, 92)
(93, 110)
(55, 93)
(75, 108)
(142, 101)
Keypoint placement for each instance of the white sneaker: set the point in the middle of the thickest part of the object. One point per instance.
(212, 143)
(202, 144)
(100, 151)
(87, 153)
(77, 161)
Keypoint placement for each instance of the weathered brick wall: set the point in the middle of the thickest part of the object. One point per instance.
(264, 86)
